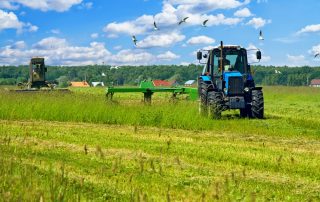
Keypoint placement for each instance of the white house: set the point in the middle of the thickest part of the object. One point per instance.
(95, 84)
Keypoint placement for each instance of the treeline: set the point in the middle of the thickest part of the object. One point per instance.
(132, 75)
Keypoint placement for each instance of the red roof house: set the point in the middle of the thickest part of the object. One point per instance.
(315, 83)
(80, 84)
(161, 83)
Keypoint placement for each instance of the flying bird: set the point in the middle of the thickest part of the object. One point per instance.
(184, 20)
(261, 36)
(134, 40)
(155, 27)
(204, 24)
(317, 55)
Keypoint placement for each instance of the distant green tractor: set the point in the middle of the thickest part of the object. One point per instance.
(37, 74)
(37, 78)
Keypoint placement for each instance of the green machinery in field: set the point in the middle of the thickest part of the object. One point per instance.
(37, 74)
(37, 78)
(148, 89)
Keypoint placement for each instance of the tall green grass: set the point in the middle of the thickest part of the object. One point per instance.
(289, 111)
(79, 146)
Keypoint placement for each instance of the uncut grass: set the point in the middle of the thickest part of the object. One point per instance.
(158, 164)
(289, 111)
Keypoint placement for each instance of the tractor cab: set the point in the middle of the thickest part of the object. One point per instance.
(226, 80)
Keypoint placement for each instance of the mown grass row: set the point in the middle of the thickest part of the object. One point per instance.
(105, 162)
(289, 111)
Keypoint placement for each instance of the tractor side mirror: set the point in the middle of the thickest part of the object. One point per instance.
(199, 55)
(258, 55)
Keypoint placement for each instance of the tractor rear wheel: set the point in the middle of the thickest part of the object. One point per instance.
(215, 104)
(257, 107)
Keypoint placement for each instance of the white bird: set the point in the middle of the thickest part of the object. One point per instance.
(261, 36)
(155, 27)
(103, 74)
(134, 40)
(183, 20)
(277, 71)
(204, 24)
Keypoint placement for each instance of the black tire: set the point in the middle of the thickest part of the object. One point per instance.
(244, 113)
(203, 108)
(215, 104)
(257, 107)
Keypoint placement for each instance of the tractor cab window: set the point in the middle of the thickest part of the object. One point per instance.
(36, 68)
(233, 60)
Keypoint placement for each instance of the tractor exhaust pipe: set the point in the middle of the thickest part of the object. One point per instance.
(221, 55)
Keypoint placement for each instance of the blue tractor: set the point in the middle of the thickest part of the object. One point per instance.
(227, 83)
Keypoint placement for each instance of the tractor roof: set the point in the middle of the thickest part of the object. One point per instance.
(228, 47)
(37, 60)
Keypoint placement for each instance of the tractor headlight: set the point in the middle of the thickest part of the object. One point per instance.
(225, 90)
(246, 89)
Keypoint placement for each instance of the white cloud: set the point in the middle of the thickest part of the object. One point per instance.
(296, 60)
(43, 5)
(94, 35)
(132, 57)
(208, 48)
(117, 47)
(57, 51)
(258, 22)
(30, 27)
(161, 40)
(112, 36)
(172, 12)
(168, 56)
(87, 5)
(55, 31)
(51, 43)
(124, 28)
(206, 5)
(8, 20)
(243, 13)
(8, 5)
(19, 45)
(310, 29)
(201, 40)
(262, 1)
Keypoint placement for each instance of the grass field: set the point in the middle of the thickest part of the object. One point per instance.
(77, 146)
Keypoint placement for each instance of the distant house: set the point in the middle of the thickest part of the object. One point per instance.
(79, 84)
(315, 83)
(190, 83)
(95, 84)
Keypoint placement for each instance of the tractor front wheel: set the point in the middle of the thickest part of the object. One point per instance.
(257, 107)
(215, 104)
(203, 109)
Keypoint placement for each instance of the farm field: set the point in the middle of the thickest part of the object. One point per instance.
(77, 146)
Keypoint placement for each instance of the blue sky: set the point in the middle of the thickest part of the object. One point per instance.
(84, 32)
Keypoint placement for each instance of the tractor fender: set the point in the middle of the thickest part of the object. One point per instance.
(256, 88)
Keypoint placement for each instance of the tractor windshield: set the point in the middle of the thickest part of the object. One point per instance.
(233, 60)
